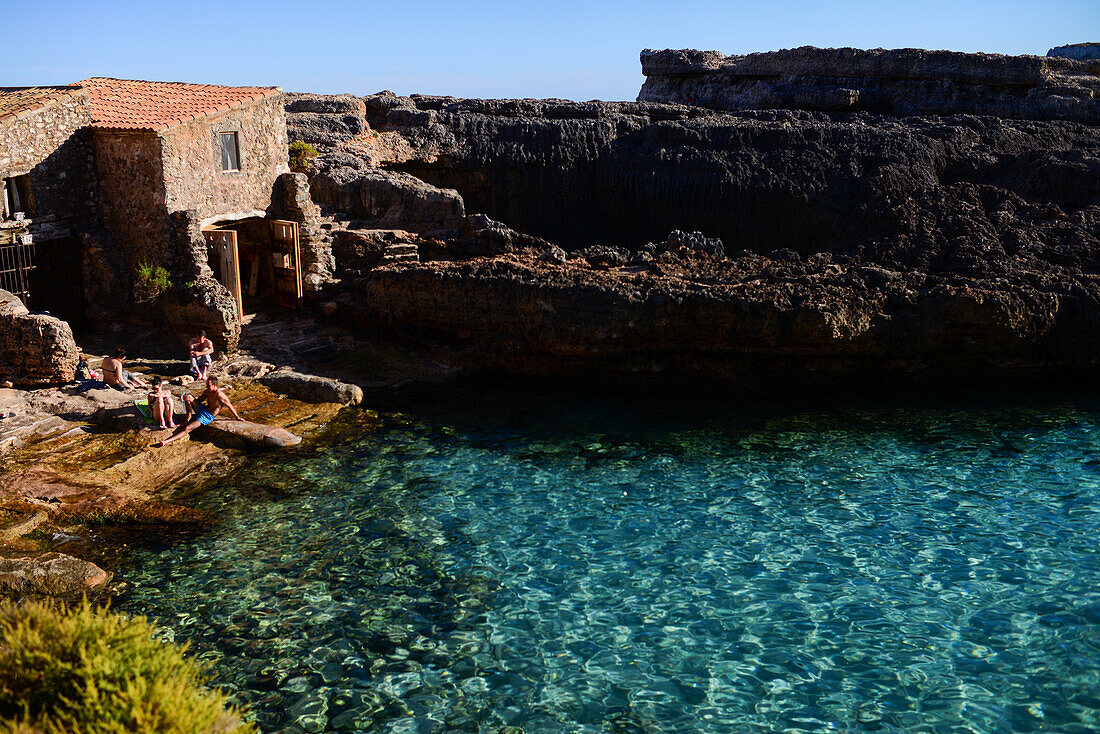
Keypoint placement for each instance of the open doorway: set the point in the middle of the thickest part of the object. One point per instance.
(259, 262)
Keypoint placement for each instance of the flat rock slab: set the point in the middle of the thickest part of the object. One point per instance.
(248, 435)
(36, 573)
(312, 388)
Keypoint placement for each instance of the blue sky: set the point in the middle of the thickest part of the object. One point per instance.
(472, 48)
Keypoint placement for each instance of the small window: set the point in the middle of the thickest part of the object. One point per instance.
(231, 154)
(17, 198)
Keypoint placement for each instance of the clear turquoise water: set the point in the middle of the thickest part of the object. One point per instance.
(518, 557)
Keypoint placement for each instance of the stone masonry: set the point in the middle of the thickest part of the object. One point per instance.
(52, 145)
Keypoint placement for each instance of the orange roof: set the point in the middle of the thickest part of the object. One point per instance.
(122, 104)
(14, 100)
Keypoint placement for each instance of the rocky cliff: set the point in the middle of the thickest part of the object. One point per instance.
(902, 229)
(898, 82)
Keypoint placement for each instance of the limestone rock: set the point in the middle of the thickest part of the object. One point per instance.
(35, 349)
(925, 189)
(1077, 51)
(206, 304)
(103, 405)
(385, 199)
(245, 434)
(312, 388)
(908, 81)
(33, 573)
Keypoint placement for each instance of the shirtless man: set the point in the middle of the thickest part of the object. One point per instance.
(201, 350)
(200, 414)
(118, 378)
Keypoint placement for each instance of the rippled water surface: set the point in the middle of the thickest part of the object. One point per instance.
(515, 559)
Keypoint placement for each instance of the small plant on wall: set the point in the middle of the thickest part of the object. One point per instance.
(300, 156)
(151, 281)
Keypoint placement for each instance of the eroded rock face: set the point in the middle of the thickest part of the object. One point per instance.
(382, 199)
(748, 321)
(868, 222)
(33, 573)
(206, 304)
(905, 81)
(36, 350)
(913, 190)
(1077, 51)
(322, 120)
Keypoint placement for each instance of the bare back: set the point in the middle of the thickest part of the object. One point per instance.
(112, 370)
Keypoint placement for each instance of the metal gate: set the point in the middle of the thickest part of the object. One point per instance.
(16, 268)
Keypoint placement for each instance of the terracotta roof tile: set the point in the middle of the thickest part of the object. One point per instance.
(14, 100)
(123, 104)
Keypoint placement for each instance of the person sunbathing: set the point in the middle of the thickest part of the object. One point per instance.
(161, 405)
(118, 378)
(201, 411)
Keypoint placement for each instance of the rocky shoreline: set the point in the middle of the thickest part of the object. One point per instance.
(77, 461)
(957, 234)
(810, 217)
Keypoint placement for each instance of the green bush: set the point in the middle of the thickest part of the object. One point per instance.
(300, 156)
(90, 671)
(152, 280)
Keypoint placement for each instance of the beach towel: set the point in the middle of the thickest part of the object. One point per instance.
(143, 408)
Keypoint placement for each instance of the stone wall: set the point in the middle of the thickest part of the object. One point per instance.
(193, 175)
(131, 192)
(894, 82)
(52, 145)
(318, 263)
(158, 188)
(35, 349)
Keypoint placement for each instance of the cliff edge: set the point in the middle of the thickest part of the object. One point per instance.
(897, 82)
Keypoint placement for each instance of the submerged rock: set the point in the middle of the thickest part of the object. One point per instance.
(33, 573)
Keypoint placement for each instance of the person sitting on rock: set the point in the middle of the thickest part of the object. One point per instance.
(118, 378)
(201, 350)
(161, 405)
(202, 410)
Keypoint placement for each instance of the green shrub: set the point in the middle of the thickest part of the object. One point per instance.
(300, 156)
(90, 671)
(152, 280)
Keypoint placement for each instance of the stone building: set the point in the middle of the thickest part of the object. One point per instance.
(48, 195)
(170, 195)
(187, 179)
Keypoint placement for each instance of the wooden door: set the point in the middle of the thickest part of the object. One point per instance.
(286, 263)
(224, 245)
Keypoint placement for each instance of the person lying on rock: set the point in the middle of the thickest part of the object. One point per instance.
(201, 410)
(201, 350)
(118, 378)
(161, 405)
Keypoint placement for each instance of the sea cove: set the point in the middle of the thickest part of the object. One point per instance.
(521, 558)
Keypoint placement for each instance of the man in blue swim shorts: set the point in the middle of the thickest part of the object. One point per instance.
(201, 410)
